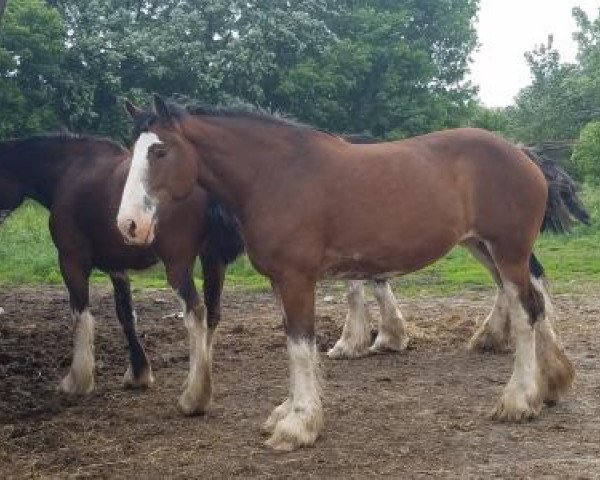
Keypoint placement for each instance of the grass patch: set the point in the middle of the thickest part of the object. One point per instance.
(572, 262)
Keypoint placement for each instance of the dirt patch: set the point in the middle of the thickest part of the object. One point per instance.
(423, 413)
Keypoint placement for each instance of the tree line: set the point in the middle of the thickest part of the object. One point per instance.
(560, 110)
(385, 67)
(388, 68)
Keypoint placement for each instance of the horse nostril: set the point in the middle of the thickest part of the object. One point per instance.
(132, 227)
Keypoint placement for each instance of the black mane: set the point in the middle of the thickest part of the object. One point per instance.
(240, 110)
(59, 138)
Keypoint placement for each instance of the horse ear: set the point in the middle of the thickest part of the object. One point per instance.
(132, 110)
(160, 107)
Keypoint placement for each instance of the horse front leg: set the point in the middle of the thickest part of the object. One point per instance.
(139, 372)
(80, 379)
(198, 386)
(299, 420)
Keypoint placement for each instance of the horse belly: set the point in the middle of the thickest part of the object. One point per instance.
(124, 257)
(380, 242)
(396, 255)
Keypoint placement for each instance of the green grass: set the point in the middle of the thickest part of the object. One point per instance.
(572, 262)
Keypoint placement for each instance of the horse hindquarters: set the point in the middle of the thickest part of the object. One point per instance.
(507, 217)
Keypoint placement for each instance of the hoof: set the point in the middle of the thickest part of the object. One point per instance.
(556, 373)
(342, 350)
(276, 416)
(517, 408)
(486, 342)
(81, 386)
(193, 403)
(297, 429)
(144, 380)
(384, 345)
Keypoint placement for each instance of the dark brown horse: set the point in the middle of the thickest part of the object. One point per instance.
(312, 206)
(80, 180)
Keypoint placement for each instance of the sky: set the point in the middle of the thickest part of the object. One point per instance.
(509, 28)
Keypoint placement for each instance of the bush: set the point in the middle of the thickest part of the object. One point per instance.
(586, 153)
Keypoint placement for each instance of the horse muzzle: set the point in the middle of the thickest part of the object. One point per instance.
(138, 229)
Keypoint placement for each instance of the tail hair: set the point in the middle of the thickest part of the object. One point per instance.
(564, 207)
(535, 267)
(224, 241)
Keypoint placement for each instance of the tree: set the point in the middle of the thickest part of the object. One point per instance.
(553, 107)
(397, 70)
(2, 8)
(492, 119)
(390, 67)
(586, 153)
(563, 97)
(205, 49)
(31, 49)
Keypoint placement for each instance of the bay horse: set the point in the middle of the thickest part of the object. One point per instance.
(80, 180)
(312, 205)
(564, 208)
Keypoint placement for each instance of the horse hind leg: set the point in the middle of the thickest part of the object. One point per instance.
(493, 334)
(356, 335)
(139, 372)
(522, 396)
(392, 335)
(542, 371)
(557, 371)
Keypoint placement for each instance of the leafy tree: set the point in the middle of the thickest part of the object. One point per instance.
(31, 49)
(390, 67)
(586, 153)
(563, 97)
(554, 106)
(2, 8)
(207, 49)
(492, 119)
(398, 69)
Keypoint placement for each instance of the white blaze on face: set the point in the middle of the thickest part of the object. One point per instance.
(136, 217)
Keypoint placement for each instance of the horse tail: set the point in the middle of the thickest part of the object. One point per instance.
(223, 241)
(563, 207)
(535, 267)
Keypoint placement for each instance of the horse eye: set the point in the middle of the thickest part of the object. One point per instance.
(160, 152)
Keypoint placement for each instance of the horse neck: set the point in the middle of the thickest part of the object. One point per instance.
(38, 165)
(239, 157)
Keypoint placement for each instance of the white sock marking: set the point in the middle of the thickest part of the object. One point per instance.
(356, 335)
(198, 389)
(521, 397)
(392, 328)
(80, 379)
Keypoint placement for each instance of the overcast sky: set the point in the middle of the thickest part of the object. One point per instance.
(507, 29)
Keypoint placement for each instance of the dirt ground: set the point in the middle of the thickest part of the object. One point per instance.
(420, 414)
